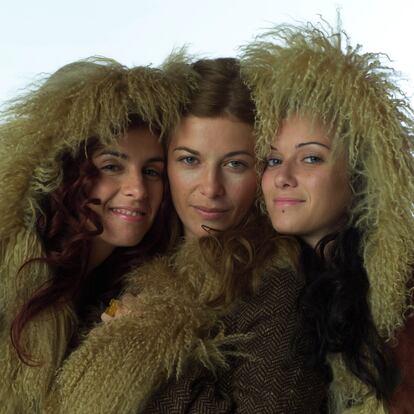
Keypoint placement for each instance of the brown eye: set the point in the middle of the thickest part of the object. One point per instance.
(151, 172)
(111, 168)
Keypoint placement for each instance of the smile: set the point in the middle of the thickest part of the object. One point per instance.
(283, 202)
(131, 215)
(210, 213)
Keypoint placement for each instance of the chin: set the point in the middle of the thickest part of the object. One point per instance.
(285, 229)
(129, 242)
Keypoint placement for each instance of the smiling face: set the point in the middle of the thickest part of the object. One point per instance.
(129, 187)
(211, 168)
(306, 190)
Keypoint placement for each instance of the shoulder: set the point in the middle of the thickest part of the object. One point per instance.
(154, 274)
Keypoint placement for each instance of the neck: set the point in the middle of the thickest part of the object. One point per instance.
(100, 250)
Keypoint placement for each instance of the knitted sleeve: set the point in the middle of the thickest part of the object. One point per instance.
(120, 363)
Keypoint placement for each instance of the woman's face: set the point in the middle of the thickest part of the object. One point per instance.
(211, 169)
(129, 187)
(307, 192)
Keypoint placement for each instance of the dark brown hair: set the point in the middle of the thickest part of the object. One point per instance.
(66, 237)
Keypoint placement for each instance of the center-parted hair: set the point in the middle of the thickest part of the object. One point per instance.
(220, 91)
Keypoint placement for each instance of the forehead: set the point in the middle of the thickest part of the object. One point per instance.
(139, 142)
(209, 133)
(300, 129)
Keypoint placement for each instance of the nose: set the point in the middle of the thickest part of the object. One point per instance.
(211, 183)
(285, 175)
(134, 186)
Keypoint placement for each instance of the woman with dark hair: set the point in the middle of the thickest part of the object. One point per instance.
(82, 182)
(337, 137)
(208, 327)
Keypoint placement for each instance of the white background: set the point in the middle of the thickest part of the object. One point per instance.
(39, 36)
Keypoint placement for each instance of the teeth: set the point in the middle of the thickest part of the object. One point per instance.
(128, 212)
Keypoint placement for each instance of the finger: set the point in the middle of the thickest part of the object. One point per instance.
(106, 318)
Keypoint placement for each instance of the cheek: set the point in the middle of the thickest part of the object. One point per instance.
(102, 188)
(176, 178)
(183, 183)
(267, 184)
(244, 192)
(179, 189)
(156, 191)
(331, 192)
(342, 193)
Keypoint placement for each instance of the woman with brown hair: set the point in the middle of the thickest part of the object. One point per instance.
(82, 183)
(336, 134)
(211, 327)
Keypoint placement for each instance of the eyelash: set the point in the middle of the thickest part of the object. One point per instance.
(313, 159)
(185, 160)
(191, 161)
(240, 165)
(151, 172)
(111, 168)
(316, 159)
(270, 164)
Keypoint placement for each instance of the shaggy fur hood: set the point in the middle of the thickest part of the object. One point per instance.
(315, 71)
(85, 99)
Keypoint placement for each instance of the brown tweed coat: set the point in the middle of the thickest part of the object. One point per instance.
(272, 378)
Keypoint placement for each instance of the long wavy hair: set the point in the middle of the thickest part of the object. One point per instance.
(235, 253)
(314, 71)
(337, 316)
(64, 229)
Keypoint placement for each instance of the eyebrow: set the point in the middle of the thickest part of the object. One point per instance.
(229, 154)
(125, 156)
(113, 153)
(302, 144)
(191, 151)
(233, 153)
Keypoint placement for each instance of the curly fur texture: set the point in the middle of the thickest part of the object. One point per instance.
(171, 325)
(87, 99)
(314, 71)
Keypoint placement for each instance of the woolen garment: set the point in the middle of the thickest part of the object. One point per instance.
(48, 124)
(402, 401)
(173, 333)
(272, 376)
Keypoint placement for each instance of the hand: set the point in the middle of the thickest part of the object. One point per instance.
(118, 307)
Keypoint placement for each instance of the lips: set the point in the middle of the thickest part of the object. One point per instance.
(208, 213)
(287, 201)
(128, 214)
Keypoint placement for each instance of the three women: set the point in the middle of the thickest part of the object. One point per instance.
(339, 142)
(206, 328)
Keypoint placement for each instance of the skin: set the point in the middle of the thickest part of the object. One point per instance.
(130, 189)
(306, 190)
(211, 169)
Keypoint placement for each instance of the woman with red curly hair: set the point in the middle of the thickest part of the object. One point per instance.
(82, 186)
